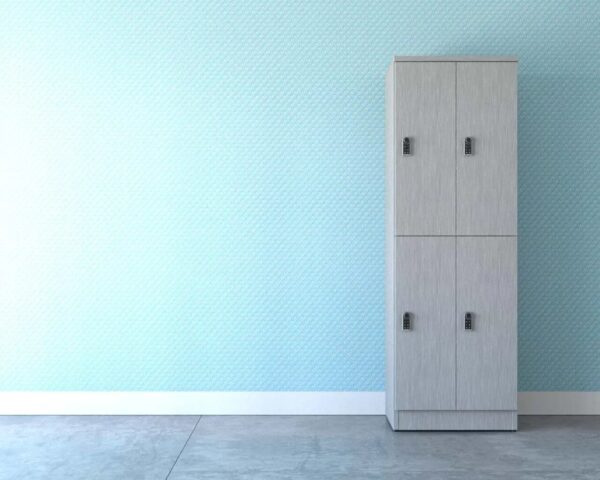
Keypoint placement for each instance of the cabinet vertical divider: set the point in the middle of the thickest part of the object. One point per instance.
(456, 237)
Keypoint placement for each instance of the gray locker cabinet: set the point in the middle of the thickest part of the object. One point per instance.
(451, 244)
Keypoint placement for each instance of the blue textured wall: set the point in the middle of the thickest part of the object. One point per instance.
(191, 194)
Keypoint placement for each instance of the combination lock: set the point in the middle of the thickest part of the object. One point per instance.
(468, 146)
(406, 146)
(468, 321)
(406, 321)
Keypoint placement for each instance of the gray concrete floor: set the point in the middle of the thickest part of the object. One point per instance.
(179, 448)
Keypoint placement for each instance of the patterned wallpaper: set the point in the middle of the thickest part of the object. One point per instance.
(191, 193)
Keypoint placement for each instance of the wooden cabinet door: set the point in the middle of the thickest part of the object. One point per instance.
(425, 353)
(425, 177)
(486, 180)
(486, 287)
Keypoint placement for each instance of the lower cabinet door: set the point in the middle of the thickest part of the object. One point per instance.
(486, 307)
(426, 343)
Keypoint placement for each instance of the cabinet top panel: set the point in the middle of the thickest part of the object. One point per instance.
(455, 59)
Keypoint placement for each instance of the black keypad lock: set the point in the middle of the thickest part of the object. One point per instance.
(406, 146)
(406, 321)
(468, 321)
(468, 146)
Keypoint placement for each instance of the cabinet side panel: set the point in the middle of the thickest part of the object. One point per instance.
(487, 179)
(390, 244)
(425, 178)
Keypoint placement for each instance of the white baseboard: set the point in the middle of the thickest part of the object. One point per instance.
(559, 403)
(192, 403)
(256, 403)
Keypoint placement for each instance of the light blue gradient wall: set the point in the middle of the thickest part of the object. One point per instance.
(191, 193)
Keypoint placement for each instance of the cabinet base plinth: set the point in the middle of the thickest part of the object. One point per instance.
(455, 420)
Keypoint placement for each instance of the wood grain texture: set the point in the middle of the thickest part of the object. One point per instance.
(425, 180)
(390, 242)
(486, 362)
(425, 355)
(487, 180)
(449, 420)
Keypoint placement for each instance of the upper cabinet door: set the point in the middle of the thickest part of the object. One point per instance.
(486, 114)
(425, 166)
